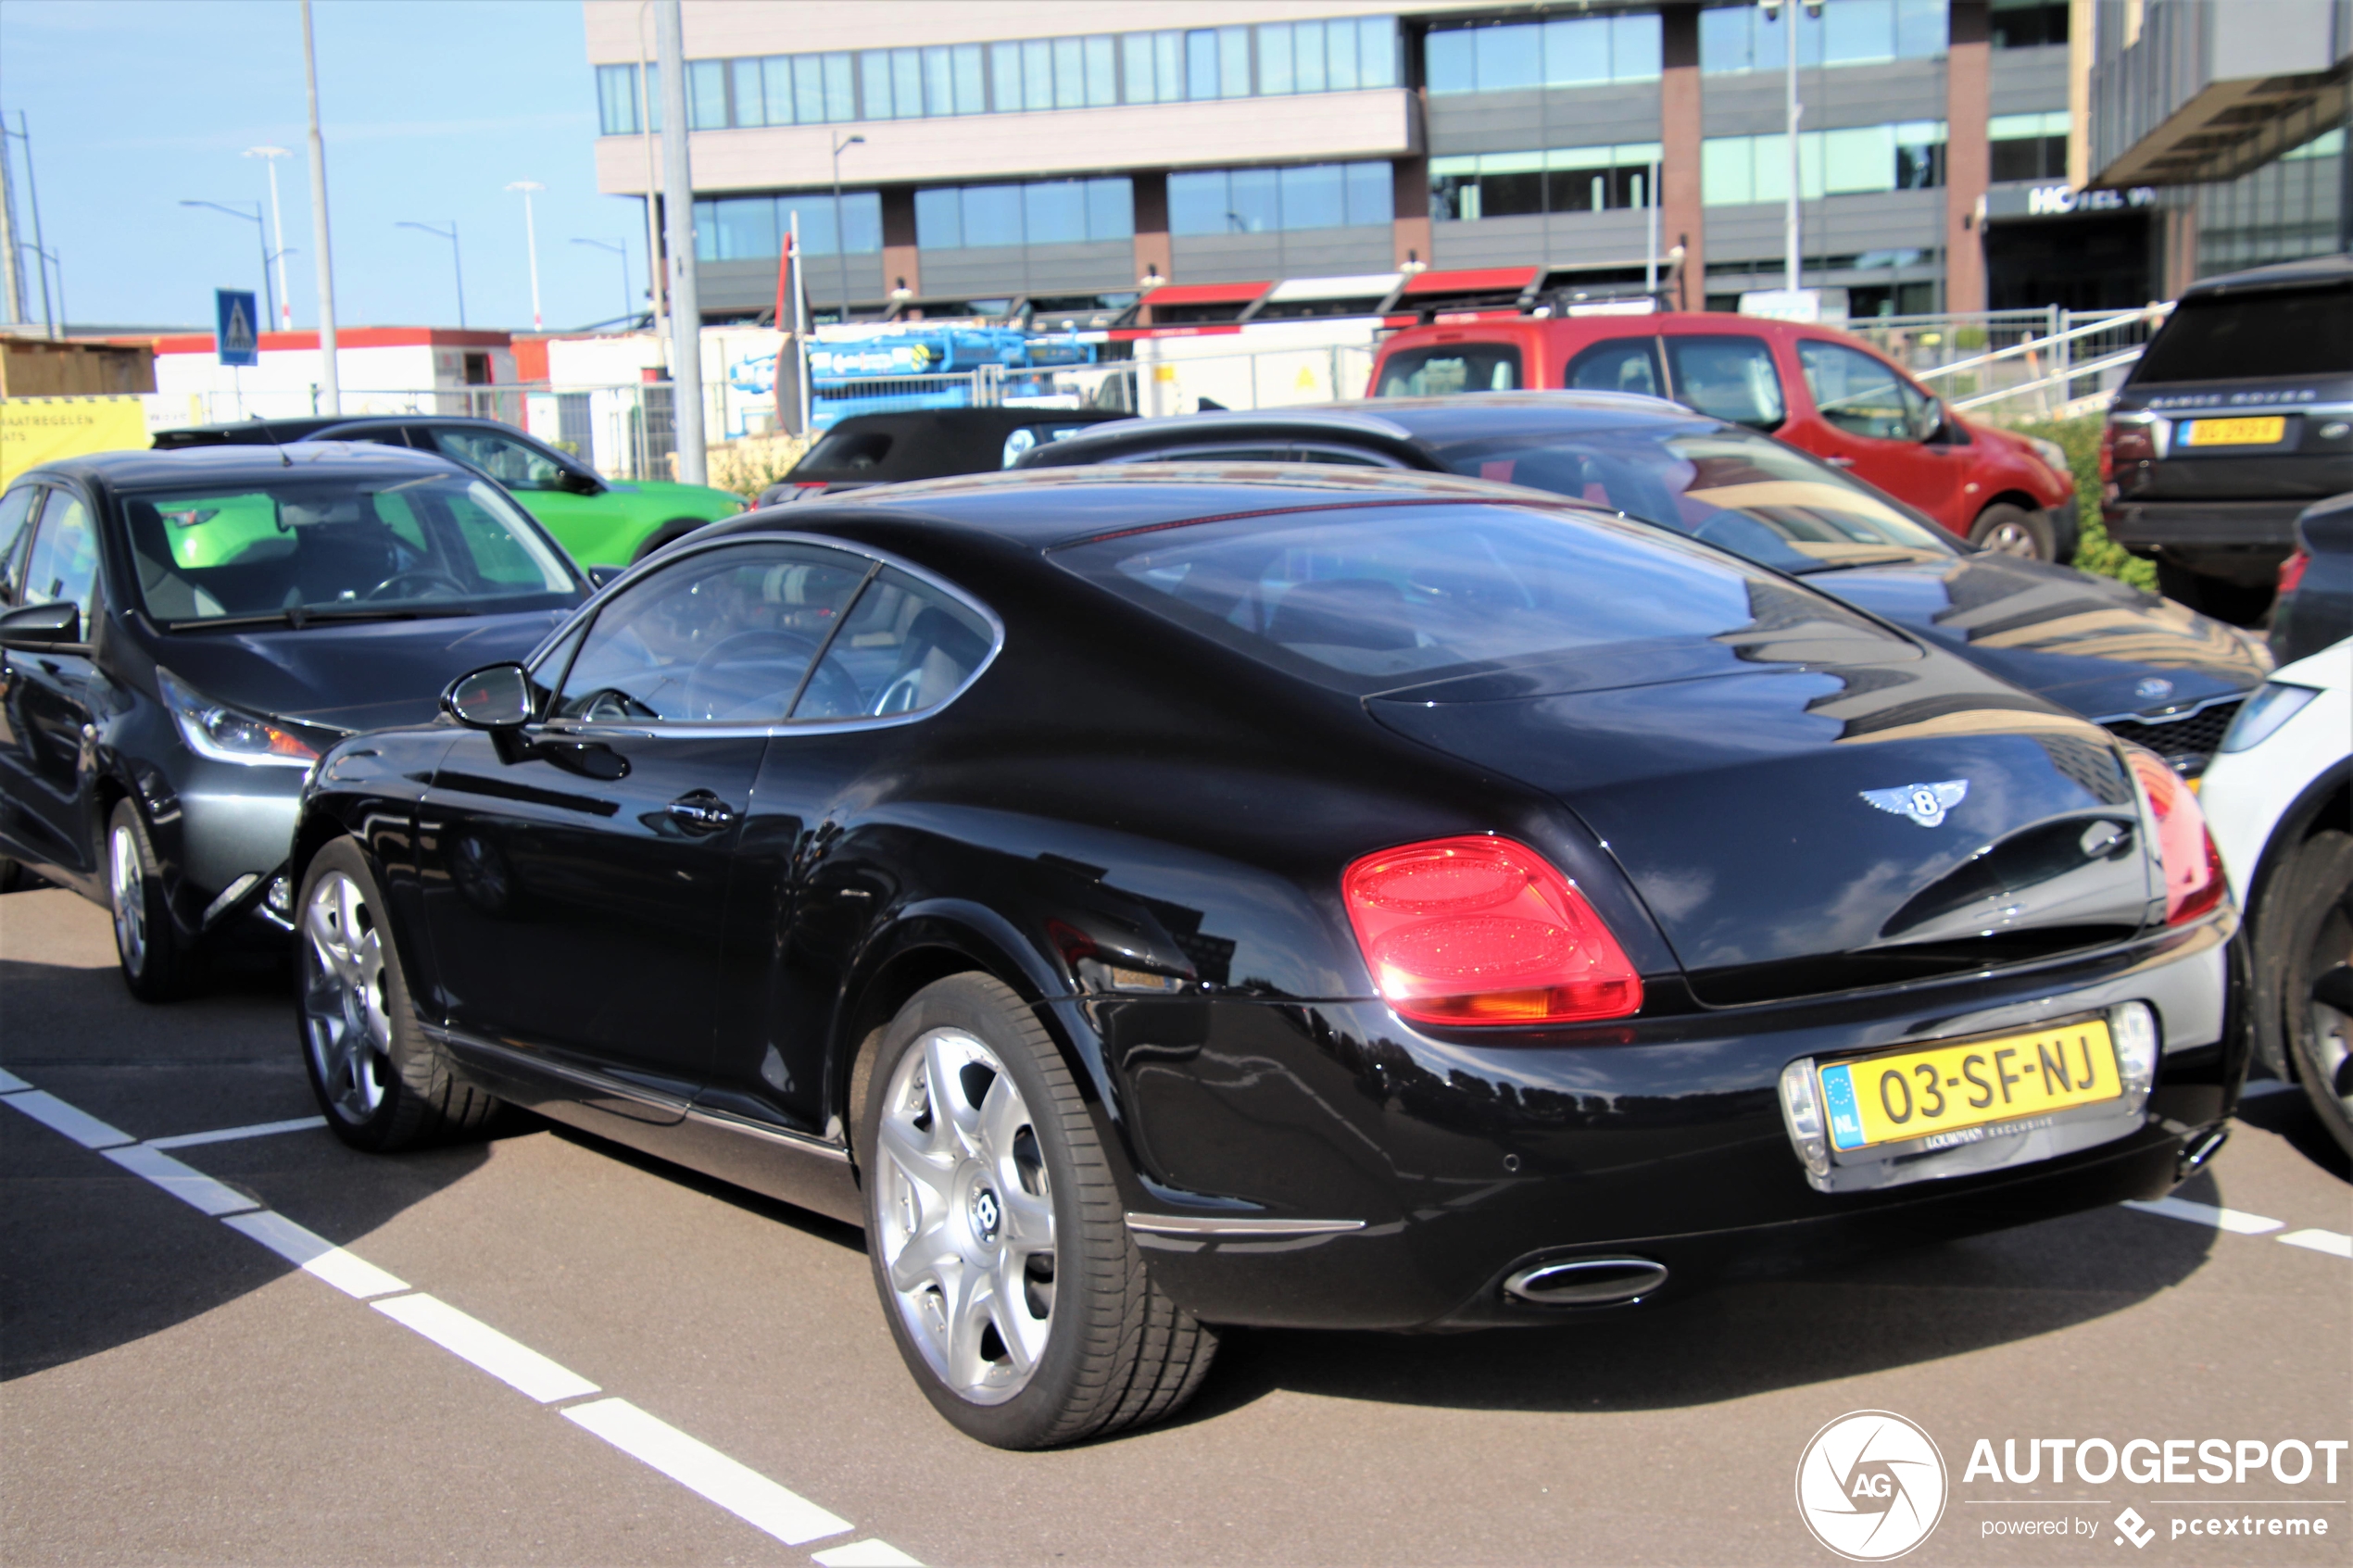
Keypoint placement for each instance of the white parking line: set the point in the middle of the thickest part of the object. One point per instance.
(60, 1117)
(744, 1492)
(184, 1183)
(696, 1465)
(866, 1554)
(314, 1254)
(2206, 1214)
(2336, 1246)
(230, 1134)
(469, 1338)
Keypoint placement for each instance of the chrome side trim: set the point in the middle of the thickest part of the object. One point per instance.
(529, 1063)
(228, 896)
(1208, 1225)
(783, 1137)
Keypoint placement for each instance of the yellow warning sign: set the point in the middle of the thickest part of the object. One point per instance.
(40, 430)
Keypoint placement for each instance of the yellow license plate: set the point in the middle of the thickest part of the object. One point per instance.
(1944, 1088)
(2236, 433)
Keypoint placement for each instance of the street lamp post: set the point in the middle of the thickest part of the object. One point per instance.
(262, 239)
(628, 299)
(23, 133)
(841, 244)
(457, 262)
(269, 156)
(531, 243)
(1792, 261)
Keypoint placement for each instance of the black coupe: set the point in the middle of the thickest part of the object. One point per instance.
(1149, 901)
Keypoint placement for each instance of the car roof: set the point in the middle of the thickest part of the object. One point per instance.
(1040, 509)
(1387, 422)
(928, 443)
(244, 462)
(2312, 270)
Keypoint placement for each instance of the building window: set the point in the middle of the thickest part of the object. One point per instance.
(1736, 171)
(1465, 189)
(2028, 24)
(1034, 75)
(1256, 201)
(2028, 147)
(752, 228)
(1043, 212)
(1737, 38)
(1565, 52)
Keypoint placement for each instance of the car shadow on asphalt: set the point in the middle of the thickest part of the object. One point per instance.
(2290, 1116)
(93, 1258)
(1753, 1336)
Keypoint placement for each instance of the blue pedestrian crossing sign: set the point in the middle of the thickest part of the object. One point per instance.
(234, 333)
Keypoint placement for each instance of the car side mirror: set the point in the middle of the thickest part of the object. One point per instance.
(495, 697)
(42, 626)
(580, 483)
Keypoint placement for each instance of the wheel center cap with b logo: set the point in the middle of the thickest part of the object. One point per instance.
(987, 1213)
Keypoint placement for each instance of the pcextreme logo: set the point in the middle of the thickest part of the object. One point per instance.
(1871, 1485)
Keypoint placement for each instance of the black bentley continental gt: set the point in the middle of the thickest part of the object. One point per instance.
(1150, 900)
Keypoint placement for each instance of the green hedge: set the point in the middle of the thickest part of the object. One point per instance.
(2094, 551)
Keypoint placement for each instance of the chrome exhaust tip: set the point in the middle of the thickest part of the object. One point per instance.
(2200, 1149)
(1585, 1282)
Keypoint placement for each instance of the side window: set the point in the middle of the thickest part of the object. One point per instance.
(1628, 364)
(511, 463)
(1861, 395)
(15, 525)
(906, 648)
(1728, 378)
(64, 566)
(723, 636)
(1456, 367)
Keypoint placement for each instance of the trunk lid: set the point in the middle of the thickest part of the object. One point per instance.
(1838, 819)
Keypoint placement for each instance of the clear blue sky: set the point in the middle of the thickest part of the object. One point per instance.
(429, 108)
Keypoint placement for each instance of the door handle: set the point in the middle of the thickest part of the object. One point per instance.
(701, 811)
(1840, 462)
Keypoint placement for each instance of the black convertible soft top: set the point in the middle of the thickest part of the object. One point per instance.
(927, 443)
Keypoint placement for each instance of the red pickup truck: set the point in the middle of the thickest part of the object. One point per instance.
(1819, 390)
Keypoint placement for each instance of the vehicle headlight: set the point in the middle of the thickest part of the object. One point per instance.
(2051, 452)
(2269, 707)
(229, 735)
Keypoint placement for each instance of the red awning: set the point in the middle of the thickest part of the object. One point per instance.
(1206, 293)
(1477, 279)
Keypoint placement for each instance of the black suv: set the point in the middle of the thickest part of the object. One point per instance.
(2238, 416)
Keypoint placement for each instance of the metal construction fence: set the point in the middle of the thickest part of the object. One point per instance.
(2018, 364)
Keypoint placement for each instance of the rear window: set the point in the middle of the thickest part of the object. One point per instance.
(2255, 337)
(852, 450)
(1453, 366)
(1369, 598)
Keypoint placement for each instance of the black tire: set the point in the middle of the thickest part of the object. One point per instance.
(382, 1083)
(2239, 604)
(157, 966)
(2014, 531)
(667, 534)
(2308, 934)
(1115, 1352)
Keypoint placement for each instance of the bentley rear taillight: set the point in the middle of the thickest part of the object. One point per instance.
(1484, 930)
(2193, 882)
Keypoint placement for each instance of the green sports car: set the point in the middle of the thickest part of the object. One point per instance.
(599, 521)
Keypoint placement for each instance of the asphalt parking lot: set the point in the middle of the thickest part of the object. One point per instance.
(543, 1348)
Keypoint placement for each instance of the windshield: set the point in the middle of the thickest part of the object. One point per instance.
(341, 547)
(1747, 493)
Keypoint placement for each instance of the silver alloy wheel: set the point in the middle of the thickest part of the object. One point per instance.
(2012, 539)
(344, 1021)
(2333, 1042)
(965, 1219)
(127, 877)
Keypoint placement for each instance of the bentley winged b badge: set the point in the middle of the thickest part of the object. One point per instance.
(1924, 803)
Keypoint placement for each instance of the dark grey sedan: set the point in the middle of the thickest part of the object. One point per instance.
(183, 634)
(2149, 670)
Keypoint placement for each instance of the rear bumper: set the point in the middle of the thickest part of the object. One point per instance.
(2242, 541)
(1458, 1164)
